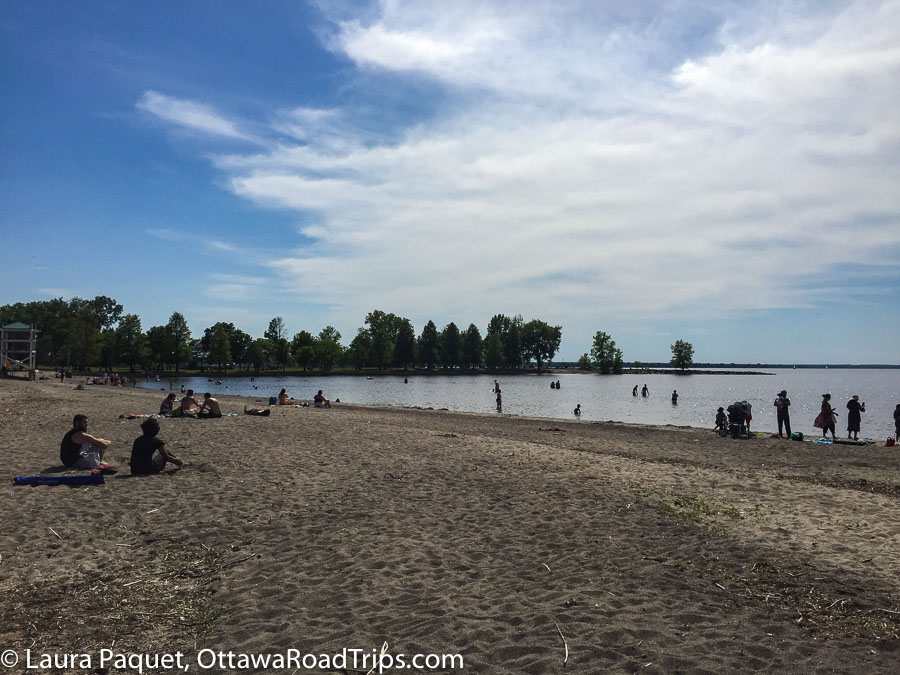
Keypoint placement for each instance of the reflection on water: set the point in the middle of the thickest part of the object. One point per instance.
(605, 397)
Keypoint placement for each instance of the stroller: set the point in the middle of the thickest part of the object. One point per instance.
(739, 416)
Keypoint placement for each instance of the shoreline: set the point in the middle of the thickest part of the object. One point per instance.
(451, 532)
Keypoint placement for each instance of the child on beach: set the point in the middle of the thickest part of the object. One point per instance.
(721, 420)
(144, 448)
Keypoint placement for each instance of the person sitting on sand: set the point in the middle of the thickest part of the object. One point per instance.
(189, 404)
(320, 401)
(145, 446)
(80, 450)
(284, 399)
(165, 408)
(577, 411)
(210, 408)
(721, 420)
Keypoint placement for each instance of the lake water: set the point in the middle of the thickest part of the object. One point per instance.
(605, 397)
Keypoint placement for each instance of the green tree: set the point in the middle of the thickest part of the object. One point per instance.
(405, 345)
(605, 354)
(239, 341)
(472, 347)
(682, 354)
(276, 333)
(328, 348)
(584, 362)
(509, 330)
(359, 351)
(131, 341)
(540, 341)
(451, 346)
(429, 354)
(159, 346)
(219, 347)
(180, 339)
(303, 348)
(493, 352)
(256, 353)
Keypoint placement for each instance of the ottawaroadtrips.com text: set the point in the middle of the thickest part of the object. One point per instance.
(211, 659)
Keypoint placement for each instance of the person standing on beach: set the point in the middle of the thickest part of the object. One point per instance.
(782, 405)
(854, 417)
(897, 422)
(674, 397)
(80, 450)
(826, 419)
(634, 391)
(645, 392)
(577, 411)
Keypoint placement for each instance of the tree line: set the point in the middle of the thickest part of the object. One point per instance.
(96, 333)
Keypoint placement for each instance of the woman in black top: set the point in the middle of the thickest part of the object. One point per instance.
(854, 416)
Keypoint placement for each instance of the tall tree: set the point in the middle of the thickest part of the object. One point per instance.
(159, 346)
(277, 335)
(256, 353)
(359, 351)
(451, 346)
(219, 347)
(493, 352)
(509, 330)
(130, 340)
(303, 348)
(239, 341)
(540, 341)
(181, 339)
(405, 345)
(429, 354)
(606, 355)
(472, 347)
(328, 348)
(682, 354)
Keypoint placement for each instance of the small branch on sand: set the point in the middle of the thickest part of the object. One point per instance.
(393, 477)
(384, 648)
(565, 644)
(54, 532)
(546, 565)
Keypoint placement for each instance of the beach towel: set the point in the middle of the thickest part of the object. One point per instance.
(65, 479)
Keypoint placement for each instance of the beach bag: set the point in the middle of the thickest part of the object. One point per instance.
(273, 400)
(797, 436)
(178, 412)
(819, 422)
(889, 443)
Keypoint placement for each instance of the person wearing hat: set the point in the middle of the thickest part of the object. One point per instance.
(854, 416)
(782, 408)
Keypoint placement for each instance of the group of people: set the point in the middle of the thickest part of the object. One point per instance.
(826, 420)
(319, 400)
(81, 450)
(645, 392)
(190, 407)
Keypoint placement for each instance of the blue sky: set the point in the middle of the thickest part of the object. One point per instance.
(721, 172)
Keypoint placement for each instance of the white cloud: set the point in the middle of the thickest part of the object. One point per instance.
(191, 115)
(591, 165)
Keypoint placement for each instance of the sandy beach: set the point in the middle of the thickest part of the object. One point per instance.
(518, 544)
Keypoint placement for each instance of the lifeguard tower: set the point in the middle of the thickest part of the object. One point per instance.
(18, 347)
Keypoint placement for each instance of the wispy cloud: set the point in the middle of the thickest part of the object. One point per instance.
(192, 115)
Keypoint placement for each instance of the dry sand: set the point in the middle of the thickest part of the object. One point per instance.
(505, 540)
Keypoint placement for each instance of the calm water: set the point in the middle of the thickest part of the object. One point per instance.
(606, 397)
